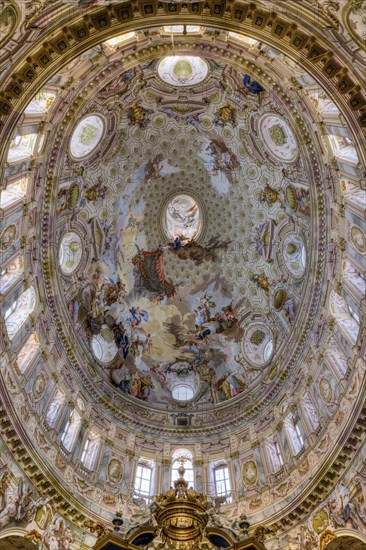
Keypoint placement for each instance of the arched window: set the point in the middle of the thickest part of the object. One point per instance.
(345, 316)
(54, 409)
(144, 479)
(343, 148)
(90, 451)
(294, 434)
(18, 312)
(183, 457)
(11, 273)
(120, 38)
(13, 192)
(310, 412)
(40, 103)
(353, 278)
(22, 147)
(71, 430)
(221, 479)
(274, 453)
(27, 352)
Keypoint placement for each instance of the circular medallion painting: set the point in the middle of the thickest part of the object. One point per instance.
(86, 136)
(278, 138)
(182, 70)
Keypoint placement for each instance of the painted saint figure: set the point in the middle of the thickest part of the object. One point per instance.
(137, 316)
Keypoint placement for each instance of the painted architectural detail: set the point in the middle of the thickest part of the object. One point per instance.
(278, 138)
(86, 136)
(70, 252)
(258, 344)
(183, 70)
(294, 253)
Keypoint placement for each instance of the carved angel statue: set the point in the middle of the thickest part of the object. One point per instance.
(143, 516)
(215, 519)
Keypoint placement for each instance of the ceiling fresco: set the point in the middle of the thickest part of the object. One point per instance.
(199, 254)
(183, 267)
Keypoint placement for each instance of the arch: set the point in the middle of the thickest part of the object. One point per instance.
(344, 316)
(71, 430)
(90, 450)
(19, 310)
(183, 457)
(244, 21)
(347, 539)
(54, 408)
(15, 538)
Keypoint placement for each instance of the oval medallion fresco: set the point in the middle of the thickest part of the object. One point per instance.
(7, 237)
(103, 345)
(249, 472)
(180, 70)
(358, 238)
(258, 344)
(278, 138)
(294, 254)
(183, 219)
(86, 136)
(70, 252)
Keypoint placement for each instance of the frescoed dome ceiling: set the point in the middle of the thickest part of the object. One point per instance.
(183, 237)
(197, 227)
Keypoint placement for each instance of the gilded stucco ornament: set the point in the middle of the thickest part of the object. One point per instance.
(249, 472)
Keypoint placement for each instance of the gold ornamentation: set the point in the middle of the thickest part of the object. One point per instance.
(277, 134)
(325, 538)
(96, 528)
(182, 515)
(35, 536)
(109, 499)
(320, 521)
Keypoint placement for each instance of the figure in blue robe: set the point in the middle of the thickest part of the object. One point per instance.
(177, 243)
(253, 87)
(121, 341)
(137, 316)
